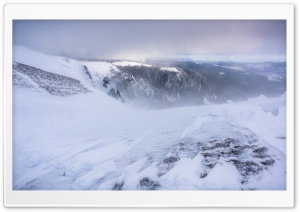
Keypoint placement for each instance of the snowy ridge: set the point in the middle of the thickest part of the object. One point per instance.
(130, 63)
(172, 69)
(101, 69)
(56, 65)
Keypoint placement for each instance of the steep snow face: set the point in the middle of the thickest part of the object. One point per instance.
(91, 141)
(101, 69)
(56, 65)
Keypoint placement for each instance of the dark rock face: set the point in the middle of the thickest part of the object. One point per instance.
(112, 89)
(55, 84)
(86, 71)
(87, 76)
(106, 81)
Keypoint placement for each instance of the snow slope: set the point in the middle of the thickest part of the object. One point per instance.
(57, 65)
(91, 141)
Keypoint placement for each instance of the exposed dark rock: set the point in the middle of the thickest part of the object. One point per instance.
(118, 186)
(260, 150)
(205, 148)
(106, 81)
(148, 184)
(235, 152)
(171, 159)
(230, 141)
(86, 71)
(211, 155)
(221, 145)
(261, 156)
(246, 168)
(268, 162)
(203, 174)
(212, 165)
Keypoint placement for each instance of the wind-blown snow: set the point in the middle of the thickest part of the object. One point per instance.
(91, 141)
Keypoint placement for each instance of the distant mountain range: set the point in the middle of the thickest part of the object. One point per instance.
(155, 83)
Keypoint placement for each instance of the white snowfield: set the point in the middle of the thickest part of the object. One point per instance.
(92, 141)
(130, 63)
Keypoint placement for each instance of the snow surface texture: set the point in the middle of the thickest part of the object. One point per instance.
(91, 141)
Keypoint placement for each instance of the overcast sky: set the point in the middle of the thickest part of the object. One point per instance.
(124, 39)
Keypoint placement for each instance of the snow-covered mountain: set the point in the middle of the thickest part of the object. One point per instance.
(69, 133)
(61, 76)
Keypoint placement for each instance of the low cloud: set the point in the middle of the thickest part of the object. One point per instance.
(141, 39)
